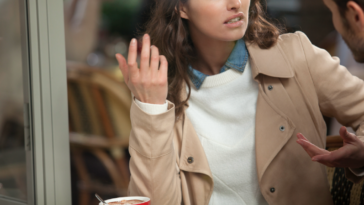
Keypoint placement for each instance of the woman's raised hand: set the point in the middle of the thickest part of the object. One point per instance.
(149, 83)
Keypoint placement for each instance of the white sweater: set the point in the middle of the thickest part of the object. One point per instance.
(222, 112)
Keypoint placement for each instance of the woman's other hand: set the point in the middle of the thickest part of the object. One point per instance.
(351, 155)
(149, 84)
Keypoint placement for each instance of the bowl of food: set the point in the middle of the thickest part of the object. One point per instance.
(132, 200)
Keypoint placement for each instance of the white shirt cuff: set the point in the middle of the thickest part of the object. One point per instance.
(358, 171)
(152, 109)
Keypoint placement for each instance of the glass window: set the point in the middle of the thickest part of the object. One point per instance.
(13, 103)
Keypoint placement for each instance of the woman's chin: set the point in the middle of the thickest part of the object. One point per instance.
(233, 35)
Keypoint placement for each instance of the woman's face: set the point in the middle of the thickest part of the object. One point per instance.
(225, 20)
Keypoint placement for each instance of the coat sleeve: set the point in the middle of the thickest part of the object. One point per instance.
(340, 94)
(153, 161)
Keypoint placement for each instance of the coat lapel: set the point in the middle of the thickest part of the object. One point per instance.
(272, 131)
(273, 128)
(191, 146)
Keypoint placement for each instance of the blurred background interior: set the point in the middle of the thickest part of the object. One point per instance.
(98, 100)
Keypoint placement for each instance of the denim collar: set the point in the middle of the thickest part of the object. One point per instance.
(237, 60)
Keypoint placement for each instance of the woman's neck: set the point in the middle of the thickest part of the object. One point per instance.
(211, 53)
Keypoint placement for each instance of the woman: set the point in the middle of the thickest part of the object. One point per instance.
(238, 92)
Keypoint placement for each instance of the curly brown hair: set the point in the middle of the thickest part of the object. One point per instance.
(169, 32)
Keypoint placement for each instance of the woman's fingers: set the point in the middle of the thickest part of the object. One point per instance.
(163, 69)
(145, 55)
(132, 63)
(154, 62)
(133, 53)
(149, 84)
(123, 66)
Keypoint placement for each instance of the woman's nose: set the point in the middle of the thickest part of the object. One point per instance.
(233, 4)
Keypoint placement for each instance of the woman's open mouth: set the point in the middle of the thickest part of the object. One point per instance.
(234, 23)
(234, 20)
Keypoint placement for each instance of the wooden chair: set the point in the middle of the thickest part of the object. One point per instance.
(343, 191)
(99, 116)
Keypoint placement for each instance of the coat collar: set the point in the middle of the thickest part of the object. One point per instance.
(271, 62)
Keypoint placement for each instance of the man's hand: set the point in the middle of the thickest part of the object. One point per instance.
(351, 155)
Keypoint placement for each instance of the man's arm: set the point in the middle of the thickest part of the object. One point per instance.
(341, 95)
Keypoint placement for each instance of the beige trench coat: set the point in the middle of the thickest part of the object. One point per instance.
(307, 82)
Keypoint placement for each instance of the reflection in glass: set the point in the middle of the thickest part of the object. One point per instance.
(13, 181)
